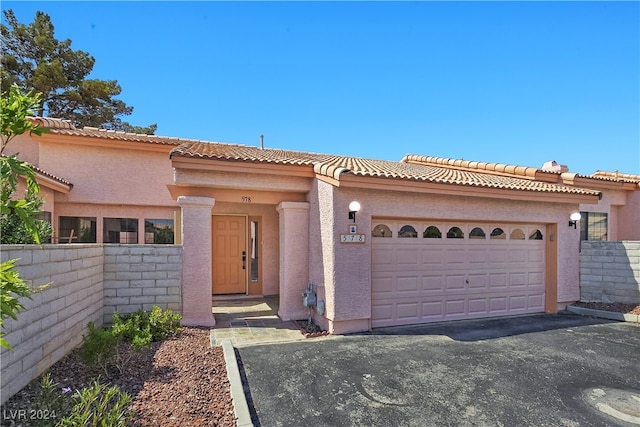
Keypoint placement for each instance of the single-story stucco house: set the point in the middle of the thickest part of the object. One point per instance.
(428, 239)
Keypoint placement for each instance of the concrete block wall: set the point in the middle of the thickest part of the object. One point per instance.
(141, 276)
(610, 272)
(55, 319)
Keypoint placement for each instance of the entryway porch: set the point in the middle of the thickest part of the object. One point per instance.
(250, 321)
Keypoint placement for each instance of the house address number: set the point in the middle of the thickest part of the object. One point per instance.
(246, 199)
(352, 238)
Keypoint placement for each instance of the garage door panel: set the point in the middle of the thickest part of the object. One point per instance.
(407, 284)
(407, 257)
(498, 280)
(536, 255)
(517, 280)
(477, 281)
(416, 280)
(476, 256)
(407, 311)
(517, 302)
(498, 256)
(383, 286)
(455, 282)
(431, 284)
(432, 256)
(478, 305)
(499, 305)
(455, 307)
(518, 255)
(536, 301)
(382, 313)
(454, 256)
(536, 278)
(433, 310)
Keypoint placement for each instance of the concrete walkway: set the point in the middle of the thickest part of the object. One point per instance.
(247, 322)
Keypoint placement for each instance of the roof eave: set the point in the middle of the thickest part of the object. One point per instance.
(416, 186)
(240, 166)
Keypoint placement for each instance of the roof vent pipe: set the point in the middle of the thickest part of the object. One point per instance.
(262, 142)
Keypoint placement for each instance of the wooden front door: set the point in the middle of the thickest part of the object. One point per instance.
(229, 255)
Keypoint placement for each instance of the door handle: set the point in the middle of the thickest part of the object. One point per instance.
(244, 260)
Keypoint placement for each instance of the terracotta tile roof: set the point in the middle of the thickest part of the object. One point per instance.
(244, 153)
(616, 176)
(52, 123)
(65, 127)
(524, 171)
(51, 176)
(335, 166)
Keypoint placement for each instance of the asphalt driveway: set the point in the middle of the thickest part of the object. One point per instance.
(543, 370)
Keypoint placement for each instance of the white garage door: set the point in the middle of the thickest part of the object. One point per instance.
(430, 271)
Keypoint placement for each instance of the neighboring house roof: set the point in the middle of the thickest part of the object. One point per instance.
(616, 176)
(336, 166)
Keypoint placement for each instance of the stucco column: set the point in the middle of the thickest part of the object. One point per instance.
(294, 258)
(196, 260)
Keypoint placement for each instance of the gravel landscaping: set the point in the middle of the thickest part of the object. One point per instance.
(181, 381)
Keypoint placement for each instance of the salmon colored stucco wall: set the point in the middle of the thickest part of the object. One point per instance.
(342, 272)
(110, 175)
(244, 180)
(112, 182)
(26, 146)
(629, 218)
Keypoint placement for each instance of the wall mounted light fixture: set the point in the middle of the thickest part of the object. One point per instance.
(573, 219)
(353, 208)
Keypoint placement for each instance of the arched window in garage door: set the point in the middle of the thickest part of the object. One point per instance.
(477, 233)
(455, 233)
(381, 230)
(498, 233)
(517, 234)
(407, 231)
(535, 235)
(432, 232)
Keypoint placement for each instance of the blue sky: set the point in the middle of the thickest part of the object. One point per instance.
(509, 82)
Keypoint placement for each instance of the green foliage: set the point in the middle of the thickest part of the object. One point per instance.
(13, 286)
(99, 405)
(14, 231)
(99, 347)
(33, 58)
(163, 323)
(113, 347)
(52, 402)
(96, 405)
(14, 109)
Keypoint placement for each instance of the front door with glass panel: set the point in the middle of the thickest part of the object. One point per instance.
(229, 255)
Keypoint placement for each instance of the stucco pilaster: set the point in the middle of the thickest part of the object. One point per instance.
(196, 253)
(294, 258)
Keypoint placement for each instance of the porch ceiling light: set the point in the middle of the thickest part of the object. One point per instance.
(574, 218)
(353, 208)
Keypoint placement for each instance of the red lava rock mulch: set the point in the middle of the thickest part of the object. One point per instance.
(181, 381)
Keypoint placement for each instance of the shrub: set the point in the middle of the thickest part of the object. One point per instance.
(163, 323)
(99, 405)
(114, 346)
